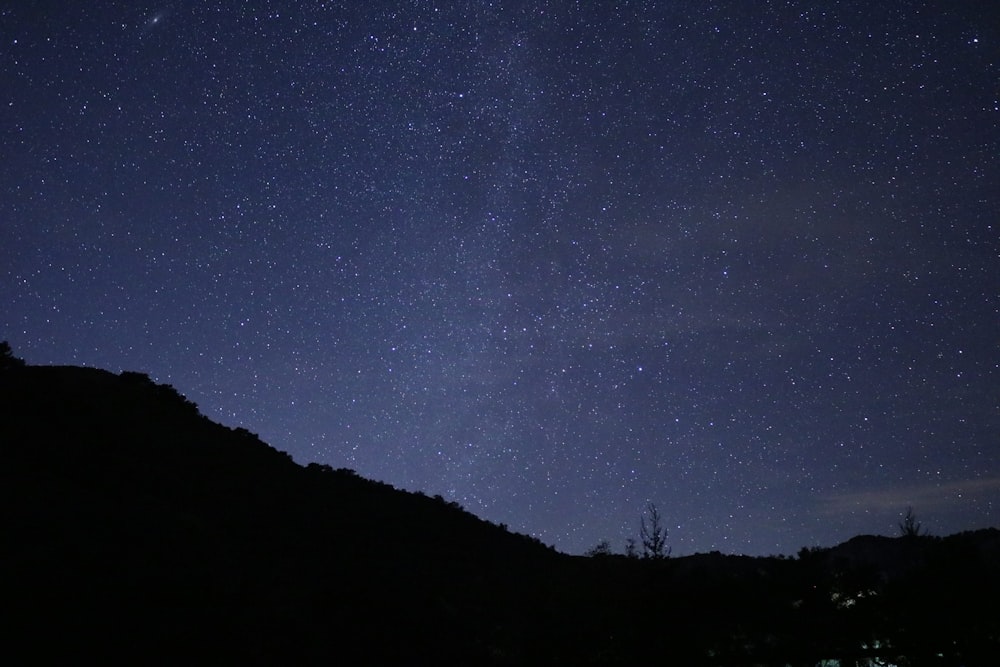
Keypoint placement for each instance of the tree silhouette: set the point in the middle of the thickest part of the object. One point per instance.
(7, 358)
(653, 535)
(909, 526)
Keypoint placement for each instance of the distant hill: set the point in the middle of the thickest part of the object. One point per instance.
(135, 529)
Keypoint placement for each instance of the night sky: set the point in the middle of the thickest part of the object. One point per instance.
(551, 260)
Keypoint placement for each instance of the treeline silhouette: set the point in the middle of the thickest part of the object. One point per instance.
(135, 529)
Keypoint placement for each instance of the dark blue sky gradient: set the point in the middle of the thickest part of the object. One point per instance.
(552, 261)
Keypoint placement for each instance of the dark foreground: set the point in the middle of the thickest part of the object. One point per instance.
(137, 530)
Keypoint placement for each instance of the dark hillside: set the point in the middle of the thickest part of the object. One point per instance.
(139, 526)
(137, 530)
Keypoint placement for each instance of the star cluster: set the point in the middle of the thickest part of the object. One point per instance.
(552, 260)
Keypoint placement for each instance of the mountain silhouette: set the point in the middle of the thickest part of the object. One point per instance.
(136, 529)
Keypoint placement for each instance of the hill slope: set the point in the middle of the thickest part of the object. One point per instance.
(139, 525)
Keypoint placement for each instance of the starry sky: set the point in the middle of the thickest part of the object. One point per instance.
(551, 260)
